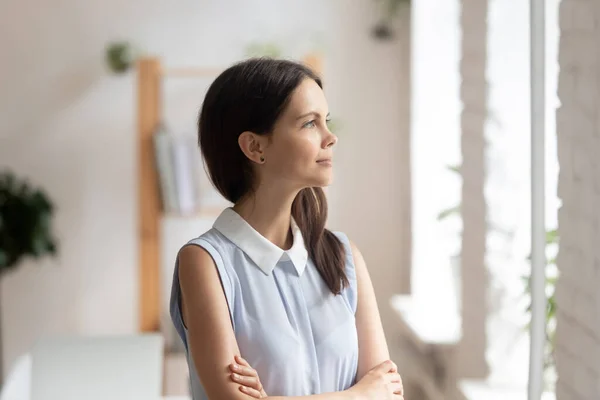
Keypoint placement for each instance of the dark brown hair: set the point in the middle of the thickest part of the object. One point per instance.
(250, 96)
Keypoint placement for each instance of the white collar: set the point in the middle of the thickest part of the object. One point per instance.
(262, 251)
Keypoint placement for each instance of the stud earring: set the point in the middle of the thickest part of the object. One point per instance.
(262, 159)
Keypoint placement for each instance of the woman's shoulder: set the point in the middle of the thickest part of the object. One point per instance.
(350, 250)
(213, 243)
(349, 246)
(350, 292)
(211, 235)
(341, 235)
(207, 245)
(214, 240)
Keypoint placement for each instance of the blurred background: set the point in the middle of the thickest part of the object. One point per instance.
(430, 101)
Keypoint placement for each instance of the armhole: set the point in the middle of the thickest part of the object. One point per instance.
(351, 292)
(226, 284)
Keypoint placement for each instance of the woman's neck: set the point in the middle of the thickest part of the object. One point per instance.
(269, 214)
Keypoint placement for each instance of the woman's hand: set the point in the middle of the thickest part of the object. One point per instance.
(247, 377)
(382, 383)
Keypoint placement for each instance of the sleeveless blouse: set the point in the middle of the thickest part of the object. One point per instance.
(298, 336)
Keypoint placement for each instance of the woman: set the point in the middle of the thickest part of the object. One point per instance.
(268, 281)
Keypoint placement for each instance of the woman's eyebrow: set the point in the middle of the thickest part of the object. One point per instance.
(315, 113)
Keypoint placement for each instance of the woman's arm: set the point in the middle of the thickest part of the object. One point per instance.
(211, 338)
(372, 344)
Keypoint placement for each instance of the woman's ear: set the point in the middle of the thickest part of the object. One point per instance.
(253, 146)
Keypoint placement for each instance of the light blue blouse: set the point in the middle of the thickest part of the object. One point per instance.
(298, 336)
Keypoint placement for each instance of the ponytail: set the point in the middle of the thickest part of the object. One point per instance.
(309, 210)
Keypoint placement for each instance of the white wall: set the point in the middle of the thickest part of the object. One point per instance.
(578, 145)
(70, 126)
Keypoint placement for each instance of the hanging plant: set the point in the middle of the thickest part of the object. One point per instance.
(120, 56)
(389, 11)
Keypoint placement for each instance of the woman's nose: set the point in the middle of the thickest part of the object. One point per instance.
(330, 139)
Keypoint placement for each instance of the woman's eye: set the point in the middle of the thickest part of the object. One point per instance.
(309, 124)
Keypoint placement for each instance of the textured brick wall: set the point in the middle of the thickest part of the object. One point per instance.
(578, 129)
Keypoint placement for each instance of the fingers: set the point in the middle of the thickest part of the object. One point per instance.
(386, 366)
(394, 377)
(396, 383)
(242, 361)
(247, 376)
(241, 370)
(251, 392)
(397, 388)
(251, 382)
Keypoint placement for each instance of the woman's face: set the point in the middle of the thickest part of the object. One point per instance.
(300, 149)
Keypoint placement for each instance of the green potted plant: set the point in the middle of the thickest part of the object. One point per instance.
(25, 225)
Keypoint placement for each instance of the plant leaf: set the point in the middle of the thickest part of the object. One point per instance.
(454, 168)
(448, 212)
(552, 236)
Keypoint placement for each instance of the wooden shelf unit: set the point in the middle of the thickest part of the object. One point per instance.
(150, 76)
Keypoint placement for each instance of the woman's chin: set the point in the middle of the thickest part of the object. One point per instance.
(322, 181)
